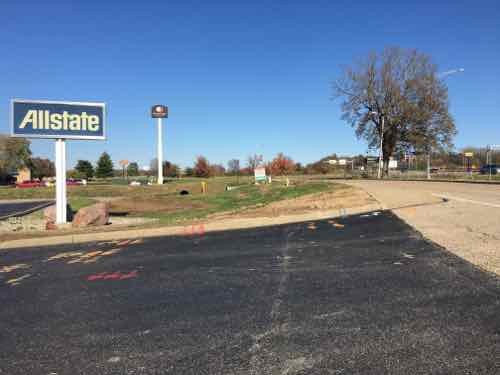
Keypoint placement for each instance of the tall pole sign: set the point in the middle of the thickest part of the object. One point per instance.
(159, 112)
(60, 121)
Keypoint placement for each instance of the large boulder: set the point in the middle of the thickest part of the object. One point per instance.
(97, 214)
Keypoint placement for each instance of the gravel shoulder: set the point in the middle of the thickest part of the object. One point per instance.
(463, 218)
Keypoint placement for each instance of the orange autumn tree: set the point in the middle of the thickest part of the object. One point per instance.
(281, 165)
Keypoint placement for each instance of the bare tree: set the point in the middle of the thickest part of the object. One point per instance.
(400, 87)
(254, 161)
(233, 166)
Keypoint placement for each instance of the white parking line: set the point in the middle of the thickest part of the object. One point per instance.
(449, 197)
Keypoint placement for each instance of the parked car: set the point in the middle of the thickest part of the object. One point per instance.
(7, 180)
(30, 184)
(74, 182)
(489, 168)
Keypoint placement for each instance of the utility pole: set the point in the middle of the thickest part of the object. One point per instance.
(428, 165)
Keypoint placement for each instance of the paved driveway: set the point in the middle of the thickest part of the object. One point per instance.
(16, 208)
(360, 295)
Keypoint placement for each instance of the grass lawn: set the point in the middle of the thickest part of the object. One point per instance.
(167, 205)
(180, 208)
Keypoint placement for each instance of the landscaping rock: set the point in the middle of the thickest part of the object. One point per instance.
(97, 214)
(49, 214)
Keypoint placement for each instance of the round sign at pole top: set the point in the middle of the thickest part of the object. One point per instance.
(159, 111)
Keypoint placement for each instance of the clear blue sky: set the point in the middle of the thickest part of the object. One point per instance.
(239, 76)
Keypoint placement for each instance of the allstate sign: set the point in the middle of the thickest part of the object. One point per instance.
(63, 120)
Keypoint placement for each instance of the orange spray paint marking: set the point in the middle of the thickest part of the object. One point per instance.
(20, 266)
(335, 224)
(191, 231)
(311, 226)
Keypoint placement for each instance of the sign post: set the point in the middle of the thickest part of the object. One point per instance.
(61, 202)
(59, 121)
(159, 112)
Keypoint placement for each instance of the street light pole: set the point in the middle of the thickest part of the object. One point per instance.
(440, 75)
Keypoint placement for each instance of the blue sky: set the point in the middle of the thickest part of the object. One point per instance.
(239, 77)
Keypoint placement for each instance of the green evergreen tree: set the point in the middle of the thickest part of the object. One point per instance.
(133, 169)
(84, 169)
(104, 166)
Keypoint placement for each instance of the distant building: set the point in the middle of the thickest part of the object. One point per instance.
(23, 174)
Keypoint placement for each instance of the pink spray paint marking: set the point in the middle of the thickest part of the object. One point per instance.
(118, 275)
(194, 230)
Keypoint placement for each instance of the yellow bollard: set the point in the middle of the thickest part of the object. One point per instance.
(204, 187)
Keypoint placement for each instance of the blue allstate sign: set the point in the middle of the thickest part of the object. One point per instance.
(63, 120)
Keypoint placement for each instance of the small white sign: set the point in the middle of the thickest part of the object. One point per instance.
(260, 173)
(342, 162)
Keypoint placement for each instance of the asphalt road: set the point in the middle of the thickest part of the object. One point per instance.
(8, 209)
(358, 295)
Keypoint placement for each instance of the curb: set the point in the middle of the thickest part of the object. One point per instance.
(230, 224)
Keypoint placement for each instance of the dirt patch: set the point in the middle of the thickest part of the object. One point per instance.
(341, 198)
(141, 205)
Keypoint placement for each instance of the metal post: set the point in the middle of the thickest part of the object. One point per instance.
(61, 201)
(428, 165)
(488, 161)
(381, 154)
(160, 153)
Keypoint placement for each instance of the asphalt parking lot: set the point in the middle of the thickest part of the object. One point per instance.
(358, 295)
(8, 209)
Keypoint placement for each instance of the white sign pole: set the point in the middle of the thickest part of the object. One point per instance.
(61, 213)
(160, 153)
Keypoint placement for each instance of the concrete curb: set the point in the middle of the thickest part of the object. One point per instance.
(217, 226)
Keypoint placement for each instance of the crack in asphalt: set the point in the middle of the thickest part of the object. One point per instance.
(266, 361)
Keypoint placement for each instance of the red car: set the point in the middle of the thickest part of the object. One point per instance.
(74, 182)
(30, 184)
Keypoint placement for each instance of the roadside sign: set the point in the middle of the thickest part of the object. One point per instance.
(342, 162)
(260, 174)
(469, 154)
(159, 111)
(332, 161)
(57, 120)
